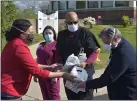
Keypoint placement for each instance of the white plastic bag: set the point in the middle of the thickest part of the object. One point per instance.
(70, 62)
(81, 75)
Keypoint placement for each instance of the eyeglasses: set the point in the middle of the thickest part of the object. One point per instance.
(74, 22)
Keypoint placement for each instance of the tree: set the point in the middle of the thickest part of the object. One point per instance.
(28, 13)
(8, 15)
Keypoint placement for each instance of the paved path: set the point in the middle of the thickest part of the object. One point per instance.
(34, 90)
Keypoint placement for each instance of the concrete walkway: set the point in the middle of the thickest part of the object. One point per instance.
(35, 93)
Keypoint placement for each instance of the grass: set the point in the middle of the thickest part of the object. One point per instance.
(128, 33)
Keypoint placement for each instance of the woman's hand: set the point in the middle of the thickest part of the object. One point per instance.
(69, 77)
(64, 75)
(83, 64)
(60, 66)
(48, 67)
(56, 67)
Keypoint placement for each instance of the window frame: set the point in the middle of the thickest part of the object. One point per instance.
(80, 8)
(64, 7)
(67, 8)
(53, 7)
(92, 7)
(122, 6)
(106, 6)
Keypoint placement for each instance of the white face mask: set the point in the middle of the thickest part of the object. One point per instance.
(110, 46)
(49, 37)
(107, 47)
(73, 27)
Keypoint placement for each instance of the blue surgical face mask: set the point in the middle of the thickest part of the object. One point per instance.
(49, 37)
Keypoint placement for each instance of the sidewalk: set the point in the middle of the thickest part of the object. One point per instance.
(34, 90)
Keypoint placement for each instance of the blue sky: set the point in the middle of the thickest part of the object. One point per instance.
(25, 4)
(20, 5)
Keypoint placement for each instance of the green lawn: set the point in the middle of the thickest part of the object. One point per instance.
(128, 33)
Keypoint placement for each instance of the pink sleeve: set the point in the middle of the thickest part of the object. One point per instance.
(92, 58)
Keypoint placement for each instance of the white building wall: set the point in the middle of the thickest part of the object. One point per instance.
(72, 5)
(132, 3)
(99, 4)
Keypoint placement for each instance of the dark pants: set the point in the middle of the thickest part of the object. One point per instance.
(88, 95)
(5, 96)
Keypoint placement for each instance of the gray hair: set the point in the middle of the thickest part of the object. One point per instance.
(110, 32)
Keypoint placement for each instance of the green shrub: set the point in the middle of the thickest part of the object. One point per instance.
(8, 15)
(89, 21)
(126, 21)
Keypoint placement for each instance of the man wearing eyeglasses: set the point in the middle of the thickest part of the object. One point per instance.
(70, 41)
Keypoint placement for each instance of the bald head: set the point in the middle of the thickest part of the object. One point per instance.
(71, 17)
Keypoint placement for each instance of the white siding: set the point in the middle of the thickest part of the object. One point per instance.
(132, 3)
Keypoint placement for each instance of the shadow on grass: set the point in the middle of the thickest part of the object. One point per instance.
(101, 97)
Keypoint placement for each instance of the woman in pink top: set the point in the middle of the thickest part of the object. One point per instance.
(47, 55)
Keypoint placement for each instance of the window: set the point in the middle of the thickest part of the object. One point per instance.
(54, 5)
(92, 4)
(62, 5)
(71, 5)
(105, 4)
(80, 4)
(121, 3)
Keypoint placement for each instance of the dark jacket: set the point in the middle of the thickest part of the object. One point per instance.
(120, 76)
(68, 43)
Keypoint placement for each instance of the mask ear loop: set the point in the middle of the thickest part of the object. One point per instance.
(18, 29)
(114, 33)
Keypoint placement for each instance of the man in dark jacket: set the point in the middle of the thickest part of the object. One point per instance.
(70, 41)
(120, 76)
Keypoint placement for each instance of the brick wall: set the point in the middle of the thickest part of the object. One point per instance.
(109, 16)
(135, 16)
